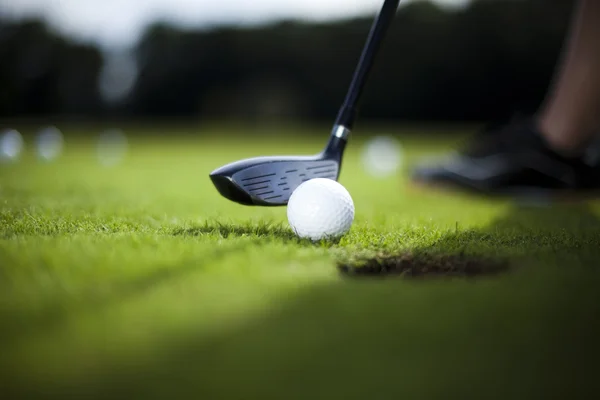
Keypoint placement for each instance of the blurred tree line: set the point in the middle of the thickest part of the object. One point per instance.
(483, 61)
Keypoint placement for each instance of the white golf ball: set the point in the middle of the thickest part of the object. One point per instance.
(11, 145)
(320, 208)
(382, 156)
(49, 143)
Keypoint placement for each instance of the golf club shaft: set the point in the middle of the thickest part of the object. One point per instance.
(348, 112)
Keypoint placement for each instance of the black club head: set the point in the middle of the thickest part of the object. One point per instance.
(270, 181)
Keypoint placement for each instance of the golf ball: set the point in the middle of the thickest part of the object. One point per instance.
(320, 208)
(11, 145)
(382, 156)
(49, 143)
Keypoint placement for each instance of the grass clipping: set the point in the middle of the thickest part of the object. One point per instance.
(411, 265)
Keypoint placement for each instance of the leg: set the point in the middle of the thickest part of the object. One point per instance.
(571, 113)
(544, 155)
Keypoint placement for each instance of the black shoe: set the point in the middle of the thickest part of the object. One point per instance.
(512, 160)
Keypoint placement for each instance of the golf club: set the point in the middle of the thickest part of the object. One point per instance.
(270, 181)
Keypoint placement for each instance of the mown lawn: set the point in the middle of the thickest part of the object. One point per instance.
(140, 281)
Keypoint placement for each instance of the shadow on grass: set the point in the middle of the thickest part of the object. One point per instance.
(532, 231)
(258, 230)
(512, 337)
(519, 237)
(224, 230)
(55, 313)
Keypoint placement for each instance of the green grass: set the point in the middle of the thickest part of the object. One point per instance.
(141, 281)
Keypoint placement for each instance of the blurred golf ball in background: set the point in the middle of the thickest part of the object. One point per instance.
(382, 156)
(320, 208)
(111, 147)
(49, 143)
(11, 145)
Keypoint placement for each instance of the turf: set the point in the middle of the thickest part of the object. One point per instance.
(140, 281)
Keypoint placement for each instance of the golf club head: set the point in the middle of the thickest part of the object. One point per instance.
(270, 181)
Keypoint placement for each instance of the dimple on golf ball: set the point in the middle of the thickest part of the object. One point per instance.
(320, 208)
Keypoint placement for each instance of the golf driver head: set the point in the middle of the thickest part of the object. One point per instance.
(270, 181)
